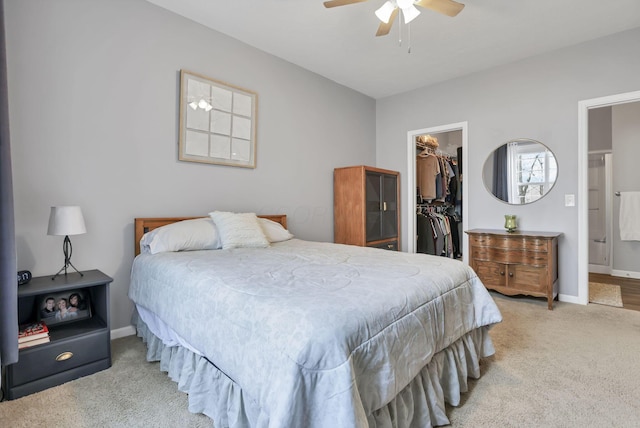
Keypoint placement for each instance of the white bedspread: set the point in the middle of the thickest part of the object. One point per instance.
(316, 334)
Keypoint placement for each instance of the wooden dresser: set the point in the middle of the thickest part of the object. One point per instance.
(366, 207)
(516, 263)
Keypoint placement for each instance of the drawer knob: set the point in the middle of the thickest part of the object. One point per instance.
(64, 356)
(510, 273)
(501, 272)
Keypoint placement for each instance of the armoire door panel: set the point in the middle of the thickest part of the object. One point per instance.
(389, 206)
(374, 206)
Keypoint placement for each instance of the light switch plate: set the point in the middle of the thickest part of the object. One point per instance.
(569, 200)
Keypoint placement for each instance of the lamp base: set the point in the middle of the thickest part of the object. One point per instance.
(64, 268)
(67, 250)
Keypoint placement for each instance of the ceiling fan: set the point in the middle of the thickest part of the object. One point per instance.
(389, 10)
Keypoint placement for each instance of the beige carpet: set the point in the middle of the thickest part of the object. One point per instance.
(605, 294)
(575, 366)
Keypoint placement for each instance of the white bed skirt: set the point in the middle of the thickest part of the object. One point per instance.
(421, 403)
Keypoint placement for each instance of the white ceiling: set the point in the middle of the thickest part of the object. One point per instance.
(340, 43)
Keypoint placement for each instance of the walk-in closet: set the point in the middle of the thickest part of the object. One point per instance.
(439, 194)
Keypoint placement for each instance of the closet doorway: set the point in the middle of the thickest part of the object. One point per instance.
(460, 129)
(625, 253)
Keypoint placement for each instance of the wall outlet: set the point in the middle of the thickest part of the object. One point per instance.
(569, 200)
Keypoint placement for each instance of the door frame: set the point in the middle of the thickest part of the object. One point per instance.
(411, 181)
(583, 184)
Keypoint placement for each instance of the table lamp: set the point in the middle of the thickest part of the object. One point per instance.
(66, 220)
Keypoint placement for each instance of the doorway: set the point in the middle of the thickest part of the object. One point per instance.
(583, 183)
(411, 203)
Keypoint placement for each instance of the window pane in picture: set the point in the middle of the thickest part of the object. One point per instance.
(220, 122)
(198, 90)
(197, 144)
(220, 147)
(242, 104)
(241, 150)
(221, 98)
(197, 119)
(241, 128)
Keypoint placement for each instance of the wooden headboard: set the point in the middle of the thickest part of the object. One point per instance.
(144, 225)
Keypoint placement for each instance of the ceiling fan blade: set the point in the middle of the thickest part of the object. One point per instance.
(447, 7)
(334, 3)
(384, 29)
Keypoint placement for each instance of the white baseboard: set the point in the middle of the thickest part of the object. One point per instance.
(625, 274)
(123, 332)
(600, 269)
(570, 299)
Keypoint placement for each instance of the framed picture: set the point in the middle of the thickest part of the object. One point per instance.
(217, 122)
(58, 308)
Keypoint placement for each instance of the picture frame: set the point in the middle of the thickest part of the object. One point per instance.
(64, 307)
(217, 122)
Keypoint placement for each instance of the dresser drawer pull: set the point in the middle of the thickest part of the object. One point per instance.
(511, 274)
(64, 356)
(502, 272)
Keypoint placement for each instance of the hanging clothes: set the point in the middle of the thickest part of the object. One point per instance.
(437, 231)
(427, 169)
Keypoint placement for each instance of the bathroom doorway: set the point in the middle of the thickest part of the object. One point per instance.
(625, 254)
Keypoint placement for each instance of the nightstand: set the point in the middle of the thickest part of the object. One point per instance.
(77, 348)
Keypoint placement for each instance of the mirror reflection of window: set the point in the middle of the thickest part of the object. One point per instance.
(534, 171)
(520, 172)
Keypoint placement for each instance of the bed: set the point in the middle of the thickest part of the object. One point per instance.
(310, 334)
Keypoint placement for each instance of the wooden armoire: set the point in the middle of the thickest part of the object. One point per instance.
(366, 207)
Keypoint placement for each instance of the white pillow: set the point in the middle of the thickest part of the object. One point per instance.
(186, 235)
(274, 231)
(239, 230)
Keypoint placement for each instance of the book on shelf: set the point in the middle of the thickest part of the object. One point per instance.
(33, 342)
(33, 331)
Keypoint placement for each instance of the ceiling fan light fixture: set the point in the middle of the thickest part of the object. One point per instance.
(385, 11)
(403, 4)
(410, 13)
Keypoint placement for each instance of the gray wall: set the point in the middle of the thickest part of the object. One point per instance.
(625, 120)
(93, 89)
(534, 98)
(600, 128)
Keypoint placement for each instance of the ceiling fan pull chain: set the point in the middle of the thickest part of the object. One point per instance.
(400, 29)
(409, 37)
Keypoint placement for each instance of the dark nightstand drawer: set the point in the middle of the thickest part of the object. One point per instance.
(391, 245)
(40, 361)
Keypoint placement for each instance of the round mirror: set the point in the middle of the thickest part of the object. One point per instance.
(520, 171)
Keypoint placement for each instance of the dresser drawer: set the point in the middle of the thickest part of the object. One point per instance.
(501, 255)
(510, 242)
(40, 361)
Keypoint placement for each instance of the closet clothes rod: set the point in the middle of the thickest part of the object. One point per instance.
(436, 152)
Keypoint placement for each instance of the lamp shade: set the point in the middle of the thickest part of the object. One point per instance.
(66, 220)
(410, 13)
(385, 11)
